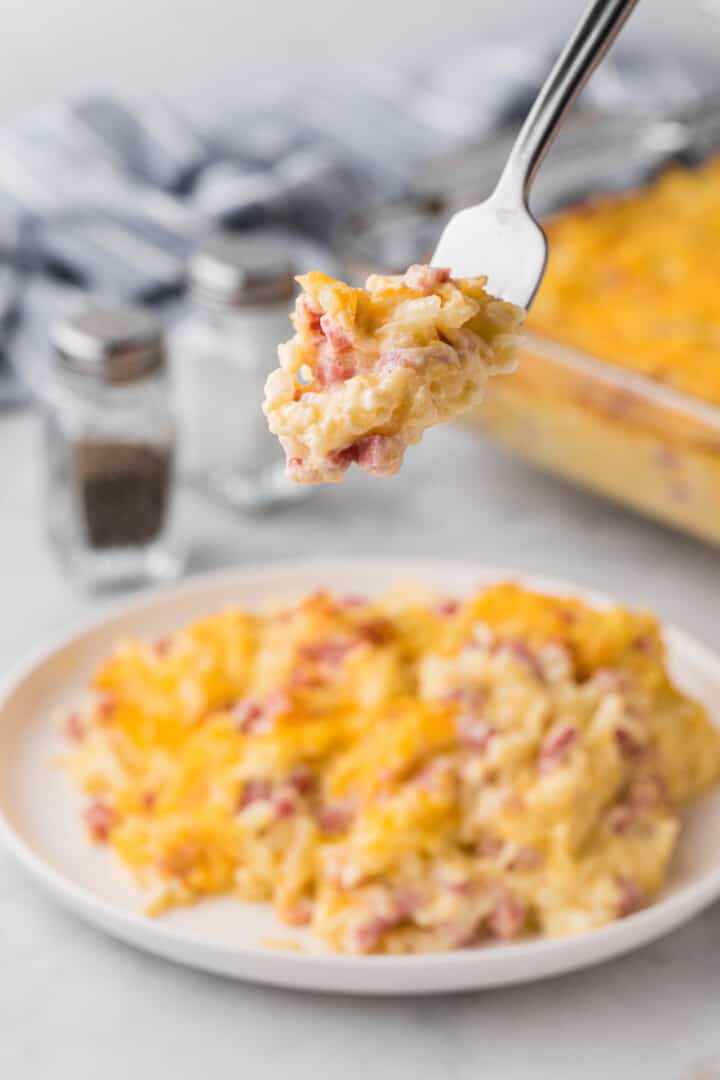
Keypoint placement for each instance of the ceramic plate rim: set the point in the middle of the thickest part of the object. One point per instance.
(462, 968)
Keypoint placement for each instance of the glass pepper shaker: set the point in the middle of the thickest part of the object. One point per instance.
(241, 292)
(110, 448)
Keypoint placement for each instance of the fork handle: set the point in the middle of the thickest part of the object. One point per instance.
(594, 34)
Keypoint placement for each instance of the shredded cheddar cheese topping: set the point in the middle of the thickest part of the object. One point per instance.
(405, 774)
(633, 279)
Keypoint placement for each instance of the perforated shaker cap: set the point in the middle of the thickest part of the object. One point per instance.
(111, 343)
(237, 270)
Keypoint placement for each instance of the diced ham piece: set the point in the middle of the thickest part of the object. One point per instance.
(336, 817)
(418, 357)
(507, 917)
(149, 800)
(610, 681)
(392, 359)
(302, 778)
(435, 775)
(250, 717)
(100, 819)
(329, 653)
(405, 903)
(380, 455)
(459, 933)
(341, 460)
(257, 789)
(513, 803)
(454, 880)
(647, 794)
(351, 600)
(298, 471)
(308, 313)
(472, 698)
(630, 899)
(276, 704)
(526, 858)
(426, 278)
(105, 708)
(300, 913)
(338, 338)
(520, 651)
(162, 647)
(301, 472)
(473, 731)
(488, 847)
(285, 803)
(307, 680)
(620, 818)
(628, 745)
(646, 644)
(74, 728)
(366, 937)
(255, 717)
(556, 748)
(445, 608)
(332, 369)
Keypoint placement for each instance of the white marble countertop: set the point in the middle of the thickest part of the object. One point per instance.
(75, 1005)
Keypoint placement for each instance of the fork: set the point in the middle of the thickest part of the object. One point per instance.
(500, 238)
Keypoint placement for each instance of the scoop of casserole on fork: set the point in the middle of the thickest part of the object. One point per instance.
(368, 370)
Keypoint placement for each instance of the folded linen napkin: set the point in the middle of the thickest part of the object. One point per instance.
(108, 197)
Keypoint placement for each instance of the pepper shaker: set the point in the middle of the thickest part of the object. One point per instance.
(110, 448)
(241, 293)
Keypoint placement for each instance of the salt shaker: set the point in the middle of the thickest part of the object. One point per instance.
(241, 291)
(110, 447)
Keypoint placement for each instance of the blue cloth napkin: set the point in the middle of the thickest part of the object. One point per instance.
(109, 196)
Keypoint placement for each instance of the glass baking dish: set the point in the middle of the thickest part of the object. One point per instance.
(616, 431)
(612, 430)
(603, 426)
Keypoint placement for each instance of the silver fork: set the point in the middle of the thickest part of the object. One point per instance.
(499, 237)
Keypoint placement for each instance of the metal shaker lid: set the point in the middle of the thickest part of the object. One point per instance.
(112, 343)
(241, 269)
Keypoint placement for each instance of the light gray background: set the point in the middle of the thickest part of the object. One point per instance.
(77, 1006)
(216, 49)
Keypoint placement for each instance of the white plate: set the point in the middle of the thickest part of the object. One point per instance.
(39, 812)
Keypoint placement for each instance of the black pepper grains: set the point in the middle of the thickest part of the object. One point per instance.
(124, 491)
(111, 445)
